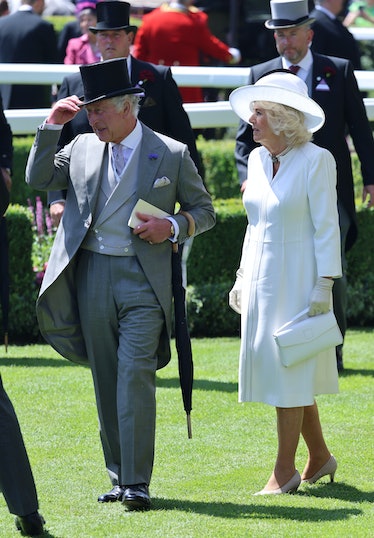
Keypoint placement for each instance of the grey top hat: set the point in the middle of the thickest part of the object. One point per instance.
(288, 14)
(106, 79)
(113, 15)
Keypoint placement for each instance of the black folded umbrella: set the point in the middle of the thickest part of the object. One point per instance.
(4, 258)
(182, 336)
(4, 278)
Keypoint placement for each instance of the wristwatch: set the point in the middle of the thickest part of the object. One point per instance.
(172, 231)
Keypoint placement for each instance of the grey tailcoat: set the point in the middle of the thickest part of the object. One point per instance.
(77, 168)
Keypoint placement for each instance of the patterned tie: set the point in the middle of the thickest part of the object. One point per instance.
(294, 68)
(118, 158)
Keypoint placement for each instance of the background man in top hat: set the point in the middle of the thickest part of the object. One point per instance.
(332, 84)
(161, 108)
(106, 296)
(330, 36)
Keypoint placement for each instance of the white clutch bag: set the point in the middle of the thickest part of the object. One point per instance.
(304, 337)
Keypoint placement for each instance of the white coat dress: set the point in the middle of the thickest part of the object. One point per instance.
(292, 238)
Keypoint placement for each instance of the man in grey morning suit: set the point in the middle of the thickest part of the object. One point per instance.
(106, 296)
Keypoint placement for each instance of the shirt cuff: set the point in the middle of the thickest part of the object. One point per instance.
(50, 126)
(176, 230)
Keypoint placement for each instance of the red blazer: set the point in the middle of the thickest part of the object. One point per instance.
(172, 37)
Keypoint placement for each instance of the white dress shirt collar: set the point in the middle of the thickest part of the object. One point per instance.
(132, 140)
(326, 12)
(305, 65)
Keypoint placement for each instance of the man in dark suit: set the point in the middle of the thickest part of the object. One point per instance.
(26, 38)
(161, 108)
(332, 84)
(6, 151)
(330, 36)
(106, 297)
(16, 478)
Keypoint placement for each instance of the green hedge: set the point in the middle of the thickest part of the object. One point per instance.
(20, 190)
(212, 263)
(221, 176)
(22, 288)
(215, 255)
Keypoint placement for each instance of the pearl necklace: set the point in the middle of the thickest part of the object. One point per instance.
(275, 158)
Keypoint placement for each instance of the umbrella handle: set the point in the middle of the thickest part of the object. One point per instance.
(190, 220)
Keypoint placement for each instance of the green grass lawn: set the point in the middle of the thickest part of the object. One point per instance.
(201, 487)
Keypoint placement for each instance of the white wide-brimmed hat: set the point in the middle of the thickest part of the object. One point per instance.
(280, 86)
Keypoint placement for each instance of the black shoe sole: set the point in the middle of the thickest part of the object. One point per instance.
(136, 505)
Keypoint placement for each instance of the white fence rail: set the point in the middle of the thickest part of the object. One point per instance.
(216, 114)
(202, 115)
(208, 77)
(362, 34)
(217, 77)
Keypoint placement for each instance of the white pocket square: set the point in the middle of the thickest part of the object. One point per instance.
(161, 182)
(323, 86)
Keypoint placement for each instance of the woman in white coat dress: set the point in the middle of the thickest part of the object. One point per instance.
(290, 256)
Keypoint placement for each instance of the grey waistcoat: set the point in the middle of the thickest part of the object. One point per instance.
(109, 233)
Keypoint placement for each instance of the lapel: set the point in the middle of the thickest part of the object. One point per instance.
(140, 72)
(323, 70)
(144, 164)
(134, 71)
(94, 154)
(151, 154)
(123, 191)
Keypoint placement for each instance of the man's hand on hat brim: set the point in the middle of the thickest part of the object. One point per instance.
(64, 110)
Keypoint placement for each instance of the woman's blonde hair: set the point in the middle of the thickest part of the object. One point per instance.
(287, 120)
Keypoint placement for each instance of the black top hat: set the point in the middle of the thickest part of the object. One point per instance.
(113, 15)
(106, 79)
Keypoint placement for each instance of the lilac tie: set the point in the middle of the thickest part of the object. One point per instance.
(294, 68)
(118, 158)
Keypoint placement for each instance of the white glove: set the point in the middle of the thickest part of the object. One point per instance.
(235, 295)
(236, 55)
(320, 298)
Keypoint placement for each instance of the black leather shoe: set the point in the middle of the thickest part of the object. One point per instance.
(30, 525)
(136, 497)
(112, 496)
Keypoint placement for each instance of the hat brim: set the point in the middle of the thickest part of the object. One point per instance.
(126, 91)
(241, 99)
(276, 24)
(102, 27)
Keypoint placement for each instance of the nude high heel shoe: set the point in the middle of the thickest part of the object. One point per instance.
(329, 468)
(290, 487)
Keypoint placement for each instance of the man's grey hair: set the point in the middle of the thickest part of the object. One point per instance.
(132, 99)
